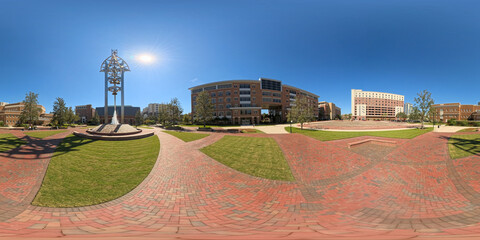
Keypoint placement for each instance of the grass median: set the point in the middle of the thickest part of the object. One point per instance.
(260, 157)
(335, 135)
(460, 146)
(186, 136)
(85, 172)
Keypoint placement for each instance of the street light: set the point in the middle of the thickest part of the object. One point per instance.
(291, 126)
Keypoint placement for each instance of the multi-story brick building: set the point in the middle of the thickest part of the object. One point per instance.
(10, 114)
(328, 111)
(85, 112)
(457, 111)
(375, 105)
(241, 101)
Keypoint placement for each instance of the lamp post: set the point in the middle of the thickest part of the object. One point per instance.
(433, 119)
(291, 126)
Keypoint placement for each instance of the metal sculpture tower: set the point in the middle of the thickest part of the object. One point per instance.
(114, 68)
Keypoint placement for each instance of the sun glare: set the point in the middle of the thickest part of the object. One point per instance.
(145, 58)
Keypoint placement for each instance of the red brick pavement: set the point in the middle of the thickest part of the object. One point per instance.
(371, 191)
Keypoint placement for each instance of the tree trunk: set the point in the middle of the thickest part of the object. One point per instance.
(301, 125)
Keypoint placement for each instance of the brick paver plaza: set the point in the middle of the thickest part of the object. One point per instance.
(410, 189)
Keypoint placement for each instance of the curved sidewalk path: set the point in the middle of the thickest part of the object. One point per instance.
(371, 191)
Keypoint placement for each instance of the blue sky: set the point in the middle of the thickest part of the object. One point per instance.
(55, 48)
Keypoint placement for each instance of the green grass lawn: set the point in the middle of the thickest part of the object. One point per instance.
(260, 157)
(468, 130)
(330, 135)
(461, 146)
(85, 172)
(186, 136)
(8, 142)
(43, 133)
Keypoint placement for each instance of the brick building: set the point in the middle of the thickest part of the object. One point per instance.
(375, 105)
(457, 111)
(328, 111)
(241, 101)
(10, 114)
(85, 112)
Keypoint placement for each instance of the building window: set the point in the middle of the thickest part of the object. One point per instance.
(213, 100)
(220, 94)
(227, 93)
(212, 94)
(244, 99)
(210, 88)
(243, 92)
(244, 85)
(223, 86)
(271, 85)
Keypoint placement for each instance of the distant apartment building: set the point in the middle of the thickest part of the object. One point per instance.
(408, 108)
(241, 101)
(129, 113)
(456, 111)
(85, 112)
(375, 105)
(10, 114)
(152, 109)
(328, 111)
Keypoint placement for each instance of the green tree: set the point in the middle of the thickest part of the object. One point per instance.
(162, 116)
(203, 108)
(302, 112)
(186, 119)
(424, 102)
(31, 111)
(174, 111)
(401, 115)
(96, 119)
(414, 115)
(60, 112)
(70, 116)
(138, 118)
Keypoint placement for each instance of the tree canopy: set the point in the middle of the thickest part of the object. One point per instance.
(203, 108)
(423, 102)
(31, 111)
(302, 112)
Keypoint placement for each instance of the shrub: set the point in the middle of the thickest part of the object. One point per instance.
(451, 122)
(2, 124)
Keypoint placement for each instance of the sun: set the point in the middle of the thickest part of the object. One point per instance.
(145, 58)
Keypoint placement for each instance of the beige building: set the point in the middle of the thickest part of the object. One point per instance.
(10, 114)
(328, 111)
(375, 105)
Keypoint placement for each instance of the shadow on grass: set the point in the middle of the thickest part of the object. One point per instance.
(35, 149)
(471, 146)
(10, 141)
